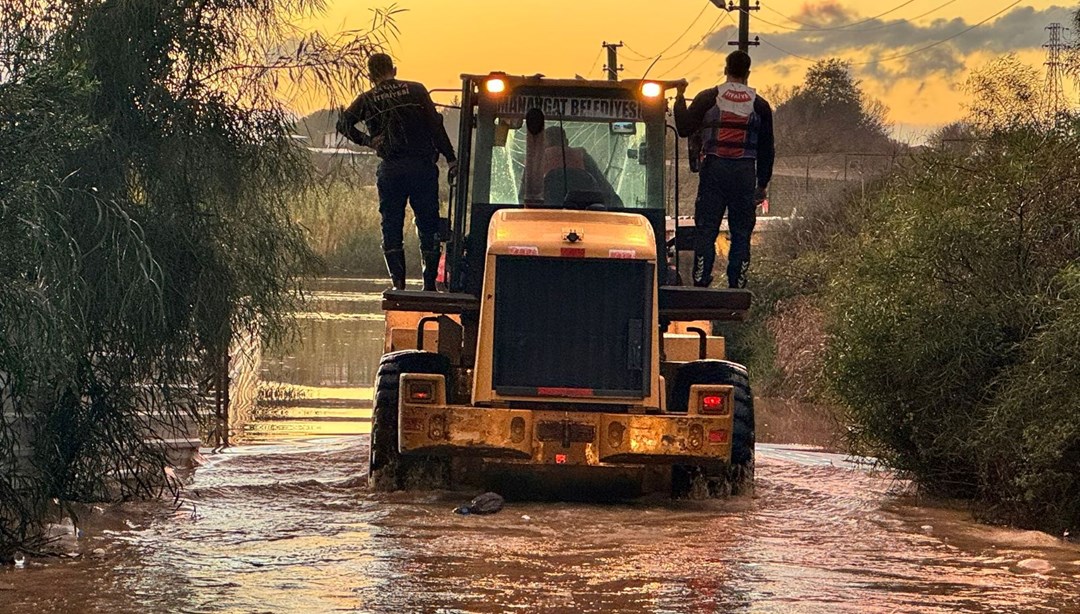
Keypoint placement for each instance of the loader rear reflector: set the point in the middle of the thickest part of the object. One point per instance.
(718, 436)
(572, 252)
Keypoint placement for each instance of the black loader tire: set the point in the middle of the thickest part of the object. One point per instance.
(736, 477)
(388, 469)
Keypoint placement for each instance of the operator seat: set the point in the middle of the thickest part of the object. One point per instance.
(557, 185)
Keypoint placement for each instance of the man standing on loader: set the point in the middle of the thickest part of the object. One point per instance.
(408, 134)
(736, 162)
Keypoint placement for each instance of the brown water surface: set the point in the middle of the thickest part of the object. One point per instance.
(283, 522)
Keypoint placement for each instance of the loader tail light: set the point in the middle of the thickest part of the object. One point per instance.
(421, 392)
(714, 404)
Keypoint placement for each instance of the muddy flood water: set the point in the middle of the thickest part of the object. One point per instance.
(282, 522)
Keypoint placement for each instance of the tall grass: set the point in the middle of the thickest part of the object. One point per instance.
(340, 216)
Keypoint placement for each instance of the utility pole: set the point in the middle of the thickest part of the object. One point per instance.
(612, 66)
(744, 9)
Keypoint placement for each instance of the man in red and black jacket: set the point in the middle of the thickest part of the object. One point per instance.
(736, 163)
(408, 134)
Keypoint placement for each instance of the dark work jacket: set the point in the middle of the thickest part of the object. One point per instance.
(403, 115)
(725, 135)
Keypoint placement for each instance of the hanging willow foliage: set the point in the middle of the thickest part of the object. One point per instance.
(145, 170)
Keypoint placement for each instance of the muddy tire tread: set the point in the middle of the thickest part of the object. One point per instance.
(718, 480)
(388, 469)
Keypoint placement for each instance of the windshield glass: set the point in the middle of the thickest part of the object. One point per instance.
(604, 157)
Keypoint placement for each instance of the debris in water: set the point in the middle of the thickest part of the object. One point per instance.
(526, 517)
(487, 503)
(20, 560)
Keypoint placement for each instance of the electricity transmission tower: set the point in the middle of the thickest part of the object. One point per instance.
(1054, 101)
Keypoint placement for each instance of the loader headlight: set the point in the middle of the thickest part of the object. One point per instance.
(495, 85)
(651, 89)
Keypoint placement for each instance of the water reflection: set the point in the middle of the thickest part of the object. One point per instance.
(288, 526)
(322, 384)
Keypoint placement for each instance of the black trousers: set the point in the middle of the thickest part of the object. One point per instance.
(725, 185)
(412, 180)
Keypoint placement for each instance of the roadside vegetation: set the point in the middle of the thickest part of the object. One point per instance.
(938, 309)
(339, 210)
(146, 173)
(339, 214)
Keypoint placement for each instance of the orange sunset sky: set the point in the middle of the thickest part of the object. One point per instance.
(439, 39)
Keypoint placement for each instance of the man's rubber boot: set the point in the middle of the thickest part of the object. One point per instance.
(395, 266)
(431, 268)
(737, 276)
(703, 266)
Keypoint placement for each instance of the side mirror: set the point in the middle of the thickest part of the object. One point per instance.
(534, 121)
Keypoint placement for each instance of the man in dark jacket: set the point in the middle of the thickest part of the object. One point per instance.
(735, 126)
(407, 132)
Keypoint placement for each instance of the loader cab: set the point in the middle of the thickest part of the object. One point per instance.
(606, 139)
(555, 144)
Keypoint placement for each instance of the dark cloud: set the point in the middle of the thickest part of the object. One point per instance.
(825, 14)
(879, 39)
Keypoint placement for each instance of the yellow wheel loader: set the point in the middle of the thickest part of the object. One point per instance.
(560, 354)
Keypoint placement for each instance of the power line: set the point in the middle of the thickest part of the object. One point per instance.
(686, 54)
(930, 12)
(677, 39)
(641, 57)
(700, 64)
(888, 24)
(906, 53)
(686, 31)
(812, 27)
(595, 62)
(786, 52)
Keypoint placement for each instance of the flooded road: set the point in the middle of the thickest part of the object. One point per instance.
(283, 522)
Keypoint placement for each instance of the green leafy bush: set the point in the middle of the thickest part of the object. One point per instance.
(1029, 448)
(947, 302)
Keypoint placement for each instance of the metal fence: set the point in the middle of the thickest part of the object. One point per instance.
(799, 181)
